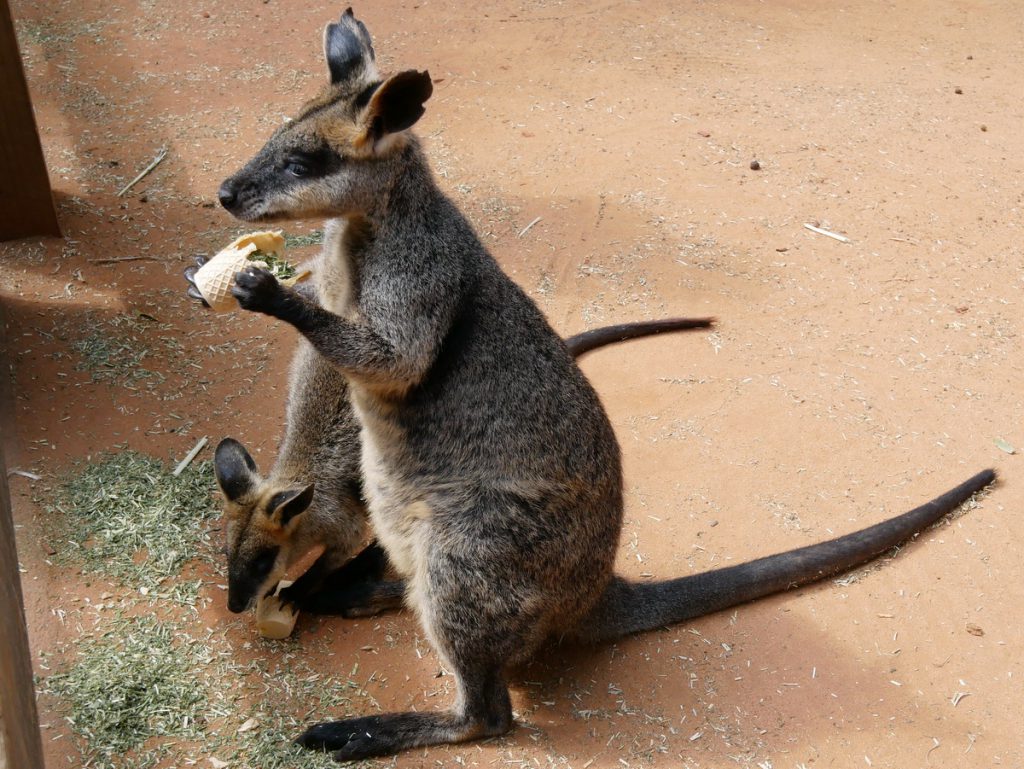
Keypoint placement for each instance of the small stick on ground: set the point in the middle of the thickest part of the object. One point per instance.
(117, 259)
(25, 474)
(147, 170)
(827, 233)
(526, 229)
(188, 459)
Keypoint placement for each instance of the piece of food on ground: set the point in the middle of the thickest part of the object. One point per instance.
(273, 619)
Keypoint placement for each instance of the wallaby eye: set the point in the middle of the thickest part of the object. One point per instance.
(264, 562)
(297, 168)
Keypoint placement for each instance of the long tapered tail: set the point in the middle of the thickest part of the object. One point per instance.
(599, 337)
(629, 607)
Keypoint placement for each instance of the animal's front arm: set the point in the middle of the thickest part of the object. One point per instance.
(355, 348)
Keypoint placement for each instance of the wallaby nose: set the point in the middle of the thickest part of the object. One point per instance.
(235, 605)
(227, 195)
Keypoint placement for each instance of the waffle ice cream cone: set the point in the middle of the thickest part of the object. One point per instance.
(274, 620)
(215, 278)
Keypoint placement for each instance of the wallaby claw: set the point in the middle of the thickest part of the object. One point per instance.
(256, 290)
(292, 598)
(190, 277)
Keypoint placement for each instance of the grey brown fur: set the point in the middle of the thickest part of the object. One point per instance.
(491, 471)
(320, 449)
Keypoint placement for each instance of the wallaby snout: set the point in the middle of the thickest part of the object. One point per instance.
(250, 574)
(238, 604)
(227, 194)
(242, 194)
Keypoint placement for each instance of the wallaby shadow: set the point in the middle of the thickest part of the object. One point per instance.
(765, 681)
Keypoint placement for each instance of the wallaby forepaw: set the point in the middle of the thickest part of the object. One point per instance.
(290, 598)
(356, 600)
(257, 290)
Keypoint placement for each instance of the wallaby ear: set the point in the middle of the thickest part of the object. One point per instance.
(285, 506)
(397, 104)
(235, 469)
(349, 50)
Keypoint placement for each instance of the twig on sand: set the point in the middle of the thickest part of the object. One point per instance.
(526, 229)
(826, 233)
(189, 457)
(147, 170)
(24, 474)
(117, 259)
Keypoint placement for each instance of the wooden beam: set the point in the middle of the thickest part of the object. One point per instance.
(21, 744)
(26, 201)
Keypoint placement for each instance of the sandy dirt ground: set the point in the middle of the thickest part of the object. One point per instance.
(845, 381)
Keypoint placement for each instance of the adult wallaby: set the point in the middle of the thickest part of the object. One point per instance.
(313, 493)
(490, 469)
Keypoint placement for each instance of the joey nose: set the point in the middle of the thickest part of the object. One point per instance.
(235, 605)
(227, 195)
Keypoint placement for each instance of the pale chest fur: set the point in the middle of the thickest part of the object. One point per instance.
(401, 518)
(336, 273)
(400, 514)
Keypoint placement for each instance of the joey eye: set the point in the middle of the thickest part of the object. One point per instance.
(297, 168)
(264, 562)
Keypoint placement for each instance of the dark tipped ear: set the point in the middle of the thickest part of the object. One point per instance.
(286, 505)
(348, 49)
(397, 104)
(235, 470)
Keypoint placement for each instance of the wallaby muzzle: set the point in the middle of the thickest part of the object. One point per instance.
(237, 604)
(239, 197)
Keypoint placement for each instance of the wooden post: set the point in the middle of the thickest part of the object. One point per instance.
(20, 742)
(26, 202)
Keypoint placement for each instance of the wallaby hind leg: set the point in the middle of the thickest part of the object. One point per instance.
(483, 709)
(479, 617)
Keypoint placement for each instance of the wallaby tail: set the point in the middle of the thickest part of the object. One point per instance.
(599, 337)
(631, 607)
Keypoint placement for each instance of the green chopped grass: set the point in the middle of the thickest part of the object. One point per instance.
(278, 267)
(147, 688)
(126, 516)
(131, 684)
(314, 238)
(140, 692)
(116, 350)
(115, 353)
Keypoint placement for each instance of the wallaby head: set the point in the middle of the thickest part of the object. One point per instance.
(262, 520)
(334, 158)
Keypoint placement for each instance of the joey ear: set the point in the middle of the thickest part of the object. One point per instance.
(348, 50)
(285, 506)
(235, 469)
(397, 104)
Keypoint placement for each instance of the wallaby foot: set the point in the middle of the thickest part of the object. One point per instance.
(484, 710)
